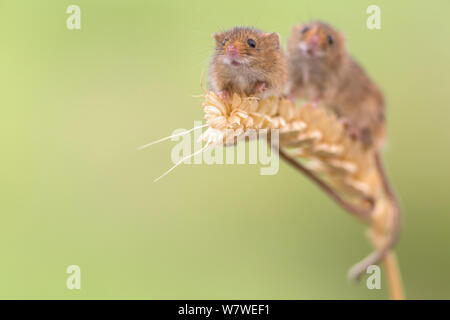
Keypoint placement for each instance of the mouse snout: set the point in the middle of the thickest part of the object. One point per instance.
(312, 45)
(233, 55)
(232, 51)
(313, 42)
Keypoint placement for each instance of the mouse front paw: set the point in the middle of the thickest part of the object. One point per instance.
(352, 131)
(260, 88)
(314, 101)
(290, 97)
(224, 95)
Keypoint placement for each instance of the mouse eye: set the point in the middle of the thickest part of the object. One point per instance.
(251, 43)
(224, 41)
(305, 29)
(330, 40)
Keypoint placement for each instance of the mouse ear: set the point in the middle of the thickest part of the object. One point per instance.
(297, 27)
(218, 36)
(274, 38)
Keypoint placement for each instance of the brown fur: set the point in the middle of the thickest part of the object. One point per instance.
(338, 81)
(265, 65)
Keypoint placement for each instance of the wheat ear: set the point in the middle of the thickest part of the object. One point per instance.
(348, 171)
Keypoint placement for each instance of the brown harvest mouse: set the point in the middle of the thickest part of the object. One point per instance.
(249, 62)
(321, 69)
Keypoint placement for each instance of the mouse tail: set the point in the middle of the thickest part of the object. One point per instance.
(357, 270)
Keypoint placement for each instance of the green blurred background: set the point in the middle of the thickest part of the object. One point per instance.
(74, 189)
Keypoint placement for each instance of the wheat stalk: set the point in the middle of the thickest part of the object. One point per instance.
(310, 133)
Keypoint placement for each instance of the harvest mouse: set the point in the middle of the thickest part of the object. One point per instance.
(249, 62)
(321, 69)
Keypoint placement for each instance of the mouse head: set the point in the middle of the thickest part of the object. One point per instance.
(247, 47)
(316, 40)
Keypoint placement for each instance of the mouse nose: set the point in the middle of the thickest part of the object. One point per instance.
(313, 41)
(232, 51)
